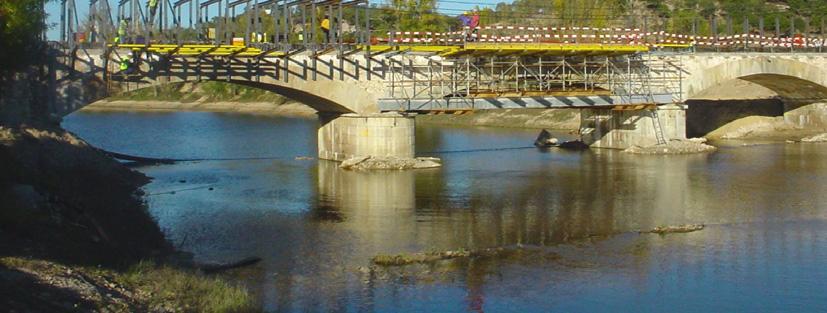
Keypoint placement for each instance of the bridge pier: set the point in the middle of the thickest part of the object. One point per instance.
(342, 136)
(621, 129)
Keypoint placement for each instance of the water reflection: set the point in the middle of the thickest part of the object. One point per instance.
(576, 213)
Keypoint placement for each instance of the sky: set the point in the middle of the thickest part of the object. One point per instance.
(452, 7)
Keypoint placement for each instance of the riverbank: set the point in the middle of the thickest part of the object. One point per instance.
(558, 119)
(73, 221)
(793, 125)
(287, 109)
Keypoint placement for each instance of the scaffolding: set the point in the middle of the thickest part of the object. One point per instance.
(420, 81)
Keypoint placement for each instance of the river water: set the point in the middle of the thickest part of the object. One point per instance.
(568, 219)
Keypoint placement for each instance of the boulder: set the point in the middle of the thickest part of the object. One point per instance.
(544, 139)
(816, 138)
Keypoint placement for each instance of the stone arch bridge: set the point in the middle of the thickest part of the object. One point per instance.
(364, 96)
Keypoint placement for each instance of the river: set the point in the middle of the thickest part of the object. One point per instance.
(571, 217)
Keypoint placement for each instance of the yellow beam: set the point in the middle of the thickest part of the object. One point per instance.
(444, 50)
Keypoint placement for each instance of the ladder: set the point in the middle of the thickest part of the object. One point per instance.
(658, 129)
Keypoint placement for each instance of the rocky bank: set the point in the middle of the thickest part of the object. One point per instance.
(74, 230)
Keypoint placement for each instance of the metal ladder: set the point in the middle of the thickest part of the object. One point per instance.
(658, 129)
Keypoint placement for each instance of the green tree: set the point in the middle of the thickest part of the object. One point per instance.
(417, 15)
(22, 23)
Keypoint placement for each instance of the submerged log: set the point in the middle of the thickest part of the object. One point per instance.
(660, 230)
(137, 159)
(431, 257)
(218, 267)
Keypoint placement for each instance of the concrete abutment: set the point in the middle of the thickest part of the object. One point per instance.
(621, 129)
(342, 136)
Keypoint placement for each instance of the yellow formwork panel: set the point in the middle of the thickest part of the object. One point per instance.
(445, 50)
(198, 49)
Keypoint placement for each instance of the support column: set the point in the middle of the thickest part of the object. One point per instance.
(621, 129)
(342, 136)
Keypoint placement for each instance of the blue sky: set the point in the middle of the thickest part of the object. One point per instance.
(447, 6)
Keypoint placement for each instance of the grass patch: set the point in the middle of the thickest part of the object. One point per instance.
(165, 286)
(150, 287)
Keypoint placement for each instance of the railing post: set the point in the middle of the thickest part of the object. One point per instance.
(777, 37)
(339, 31)
(330, 32)
(694, 37)
(715, 34)
(805, 39)
(746, 33)
(286, 24)
(339, 34)
(305, 33)
(821, 34)
(276, 17)
(313, 26)
(792, 34)
(218, 27)
(369, 40)
(761, 33)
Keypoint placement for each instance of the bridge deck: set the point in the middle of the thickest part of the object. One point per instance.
(475, 49)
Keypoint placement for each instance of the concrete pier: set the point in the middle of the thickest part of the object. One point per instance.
(342, 136)
(621, 129)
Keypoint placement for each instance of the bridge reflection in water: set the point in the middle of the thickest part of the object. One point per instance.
(315, 225)
(555, 211)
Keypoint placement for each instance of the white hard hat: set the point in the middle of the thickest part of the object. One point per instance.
(129, 54)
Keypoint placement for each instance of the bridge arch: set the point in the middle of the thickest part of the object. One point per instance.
(323, 96)
(82, 82)
(788, 78)
(722, 90)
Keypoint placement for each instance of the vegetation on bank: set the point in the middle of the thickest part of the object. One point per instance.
(209, 91)
(168, 286)
(143, 287)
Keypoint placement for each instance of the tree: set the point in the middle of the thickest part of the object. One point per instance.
(22, 23)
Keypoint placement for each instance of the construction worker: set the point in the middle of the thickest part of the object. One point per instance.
(122, 26)
(473, 24)
(125, 66)
(152, 5)
(465, 19)
(326, 28)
